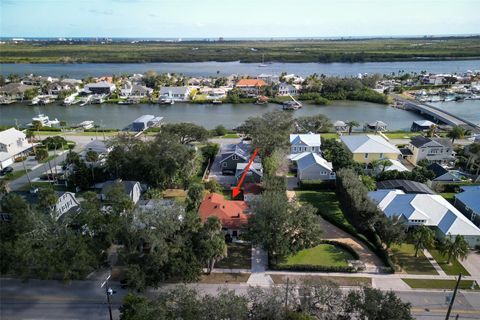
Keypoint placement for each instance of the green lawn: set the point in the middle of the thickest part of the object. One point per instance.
(328, 206)
(454, 268)
(321, 255)
(230, 136)
(439, 284)
(401, 135)
(404, 257)
(341, 281)
(14, 175)
(449, 196)
(239, 257)
(42, 184)
(329, 135)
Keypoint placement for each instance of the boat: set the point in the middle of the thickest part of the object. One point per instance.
(291, 105)
(217, 101)
(70, 99)
(166, 100)
(6, 101)
(262, 100)
(449, 98)
(98, 99)
(45, 121)
(130, 101)
(262, 65)
(87, 124)
(459, 98)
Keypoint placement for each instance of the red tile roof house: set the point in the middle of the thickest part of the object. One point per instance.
(252, 87)
(232, 214)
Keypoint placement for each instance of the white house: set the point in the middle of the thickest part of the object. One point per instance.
(285, 89)
(429, 210)
(67, 203)
(132, 188)
(311, 166)
(175, 93)
(305, 142)
(13, 143)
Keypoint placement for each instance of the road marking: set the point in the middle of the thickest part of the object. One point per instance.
(417, 310)
(50, 298)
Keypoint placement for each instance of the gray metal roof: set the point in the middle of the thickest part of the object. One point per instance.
(406, 186)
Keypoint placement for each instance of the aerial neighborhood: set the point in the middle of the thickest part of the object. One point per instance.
(280, 194)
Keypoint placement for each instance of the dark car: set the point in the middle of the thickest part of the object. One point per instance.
(6, 170)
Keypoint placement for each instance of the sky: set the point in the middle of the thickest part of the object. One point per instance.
(237, 18)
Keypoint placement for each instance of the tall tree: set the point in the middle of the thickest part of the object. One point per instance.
(194, 196)
(423, 237)
(212, 242)
(352, 124)
(457, 132)
(454, 248)
(391, 230)
(316, 124)
(186, 132)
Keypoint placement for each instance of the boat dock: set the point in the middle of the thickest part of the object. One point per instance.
(438, 114)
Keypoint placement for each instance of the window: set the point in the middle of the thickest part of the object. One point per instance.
(294, 148)
(234, 157)
(366, 155)
(381, 155)
(224, 164)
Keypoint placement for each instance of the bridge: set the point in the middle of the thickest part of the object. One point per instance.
(438, 114)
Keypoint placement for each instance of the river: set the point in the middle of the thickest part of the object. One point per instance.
(209, 116)
(197, 69)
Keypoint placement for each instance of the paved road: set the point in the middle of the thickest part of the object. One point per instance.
(44, 299)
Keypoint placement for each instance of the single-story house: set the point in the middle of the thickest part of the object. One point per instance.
(101, 87)
(311, 166)
(468, 202)
(132, 188)
(407, 186)
(13, 144)
(175, 93)
(15, 91)
(254, 174)
(368, 147)
(442, 174)
(429, 210)
(232, 214)
(309, 142)
(421, 125)
(437, 150)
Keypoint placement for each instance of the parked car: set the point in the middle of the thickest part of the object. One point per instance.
(6, 170)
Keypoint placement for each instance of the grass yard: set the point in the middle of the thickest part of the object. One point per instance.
(177, 194)
(321, 255)
(439, 284)
(401, 135)
(341, 281)
(329, 135)
(42, 184)
(404, 257)
(328, 206)
(14, 175)
(231, 136)
(239, 257)
(449, 196)
(454, 268)
(217, 278)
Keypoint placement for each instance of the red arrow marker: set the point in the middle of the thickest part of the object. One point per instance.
(236, 190)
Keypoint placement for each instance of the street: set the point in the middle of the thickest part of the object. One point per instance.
(48, 299)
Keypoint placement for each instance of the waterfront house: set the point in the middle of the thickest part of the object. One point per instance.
(175, 93)
(269, 78)
(57, 87)
(132, 189)
(232, 214)
(311, 166)
(234, 154)
(32, 80)
(468, 202)
(367, 147)
(421, 125)
(130, 90)
(15, 91)
(251, 87)
(435, 150)
(66, 204)
(101, 87)
(285, 89)
(429, 210)
(305, 142)
(146, 121)
(13, 144)
(254, 174)
(101, 148)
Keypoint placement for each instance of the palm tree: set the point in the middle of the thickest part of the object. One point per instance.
(474, 151)
(383, 163)
(351, 125)
(432, 130)
(457, 132)
(455, 249)
(423, 237)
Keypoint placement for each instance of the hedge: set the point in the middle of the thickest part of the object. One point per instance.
(101, 130)
(316, 185)
(306, 267)
(52, 129)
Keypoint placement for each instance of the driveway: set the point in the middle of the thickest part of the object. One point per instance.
(472, 264)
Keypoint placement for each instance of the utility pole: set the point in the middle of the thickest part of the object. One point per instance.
(286, 295)
(453, 297)
(108, 292)
(28, 176)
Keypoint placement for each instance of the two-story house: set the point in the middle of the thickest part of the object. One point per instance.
(234, 154)
(366, 148)
(175, 93)
(285, 89)
(435, 150)
(13, 143)
(305, 142)
(66, 204)
(251, 87)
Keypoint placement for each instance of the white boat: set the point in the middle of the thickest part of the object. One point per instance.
(70, 99)
(45, 121)
(87, 124)
(262, 65)
(166, 100)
